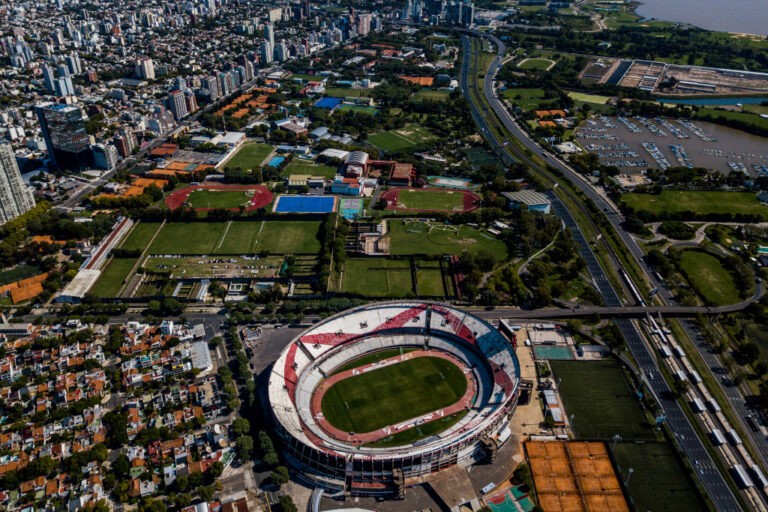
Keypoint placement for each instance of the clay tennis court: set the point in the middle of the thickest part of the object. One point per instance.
(261, 195)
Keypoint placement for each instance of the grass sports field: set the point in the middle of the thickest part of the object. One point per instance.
(250, 156)
(430, 95)
(112, 277)
(699, 202)
(409, 136)
(713, 282)
(431, 199)
(217, 199)
(429, 277)
(605, 407)
(541, 64)
(588, 98)
(276, 237)
(140, 236)
(377, 277)
(420, 432)
(341, 92)
(300, 167)
(408, 237)
(658, 481)
(361, 109)
(392, 394)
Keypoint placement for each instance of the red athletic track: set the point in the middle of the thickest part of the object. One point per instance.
(391, 196)
(261, 195)
(465, 402)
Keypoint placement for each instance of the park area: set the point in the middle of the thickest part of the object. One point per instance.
(392, 394)
(536, 63)
(412, 236)
(712, 281)
(693, 205)
(430, 200)
(606, 406)
(398, 139)
(526, 98)
(250, 156)
(659, 481)
(238, 237)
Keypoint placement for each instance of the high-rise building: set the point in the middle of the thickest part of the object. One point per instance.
(145, 68)
(177, 104)
(63, 86)
(191, 101)
(364, 23)
(211, 4)
(15, 197)
(275, 15)
(269, 34)
(281, 52)
(265, 53)
(125, 142)
(65, 136)
(49, 77)
(73, 63)
(211, 84)
(104, 156)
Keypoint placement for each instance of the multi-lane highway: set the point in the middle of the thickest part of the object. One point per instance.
(712, 480)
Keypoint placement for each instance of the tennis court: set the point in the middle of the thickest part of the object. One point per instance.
(450, 182)
(552, 352)
(328, 102)
(351, 208)
(305, 204)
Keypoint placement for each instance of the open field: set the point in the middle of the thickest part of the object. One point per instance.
(217, 199)
(340, 92)
(250, 156)
(409, 136)
(416, 237)
(588, 98)
(377, 277)
(362, 109)
(679, 202)
(604, 407)
(658, 481)
(372, 400)
(430, 95)
(244, 237)
(526, 99)
(140, 236)
(713, 282)
(541, 64)
(431, 199)
(430, 279)
(306, 78)
(112, 277)
(301, 167)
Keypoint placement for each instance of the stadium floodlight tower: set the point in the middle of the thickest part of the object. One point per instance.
(377, 397)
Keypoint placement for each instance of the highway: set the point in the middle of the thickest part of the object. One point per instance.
(713, 482)
(736, 395)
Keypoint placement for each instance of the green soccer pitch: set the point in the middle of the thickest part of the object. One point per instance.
(395, 393)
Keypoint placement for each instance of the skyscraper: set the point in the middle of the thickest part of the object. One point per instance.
(145, 68)
(104, 156)
(15, 197)
(269, 34)
(65, 136)
(265, 53)
(177, 104)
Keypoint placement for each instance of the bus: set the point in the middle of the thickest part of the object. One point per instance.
(742, 477)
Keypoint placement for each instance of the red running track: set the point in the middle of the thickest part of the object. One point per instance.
(471, 201)
(261, 195)
(465, 402)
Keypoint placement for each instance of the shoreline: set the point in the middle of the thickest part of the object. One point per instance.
(635, 4)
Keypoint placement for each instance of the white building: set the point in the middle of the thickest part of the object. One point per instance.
(145, 68)
(15, 197)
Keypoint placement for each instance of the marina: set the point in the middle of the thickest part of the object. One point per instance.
(634, 144)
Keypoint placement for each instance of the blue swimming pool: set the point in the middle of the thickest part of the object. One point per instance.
(305, 204)
(276, 161)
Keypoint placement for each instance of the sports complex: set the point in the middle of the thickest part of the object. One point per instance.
(430, 200)
(209, 196)
(375, 397)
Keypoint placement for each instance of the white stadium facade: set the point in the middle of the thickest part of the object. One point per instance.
(325, 459)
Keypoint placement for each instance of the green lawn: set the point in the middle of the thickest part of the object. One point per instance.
(301, 167)
(430, 95)
(112, 277)
(686, 205)
(217, 199)
(524, 93)
(415, 237)
(430, 279)
(140, 236)
(713, 282)
(603, 404)
(238, 237)
(307, 78)
(541, 64)
(392, 394)
(409, 136)
(447, 200)
(341, 92)
(377, 277)
(588, 98)
(372, 358)
(362, 109)
(658, 480)
(250, 156)
(750, 118)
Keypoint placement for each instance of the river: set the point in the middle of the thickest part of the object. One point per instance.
(745, 16)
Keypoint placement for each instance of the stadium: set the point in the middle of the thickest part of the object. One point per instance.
(378, 397)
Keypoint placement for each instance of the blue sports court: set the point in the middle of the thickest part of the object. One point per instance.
(305, 204)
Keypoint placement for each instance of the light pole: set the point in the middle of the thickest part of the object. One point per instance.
(630, 471)
(616, 439)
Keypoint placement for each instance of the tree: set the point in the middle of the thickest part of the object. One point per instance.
(240, 427)
(117, 429)
(287, 504)
(280, 475)
(244, 446)
(121, 466)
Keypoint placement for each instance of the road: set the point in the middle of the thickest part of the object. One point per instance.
(713, 482)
